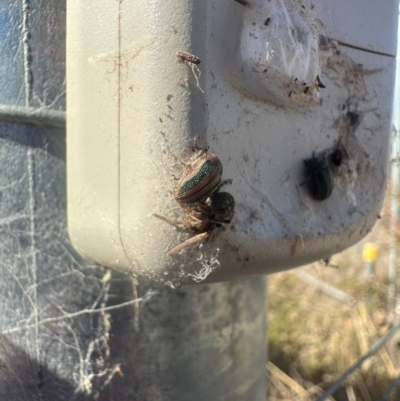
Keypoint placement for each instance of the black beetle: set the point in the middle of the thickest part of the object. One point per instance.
(319, 178)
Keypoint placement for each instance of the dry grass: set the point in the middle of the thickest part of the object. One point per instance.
(313, 338)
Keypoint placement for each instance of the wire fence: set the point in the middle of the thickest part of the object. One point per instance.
(335, 386)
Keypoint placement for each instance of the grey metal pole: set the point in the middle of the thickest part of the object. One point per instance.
(70, 330)
(206, 342)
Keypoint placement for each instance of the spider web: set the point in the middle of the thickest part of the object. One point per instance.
(55, 306)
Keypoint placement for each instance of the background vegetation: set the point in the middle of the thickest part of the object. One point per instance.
(314, 336)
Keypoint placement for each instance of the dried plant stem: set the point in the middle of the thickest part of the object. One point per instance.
(79, 313)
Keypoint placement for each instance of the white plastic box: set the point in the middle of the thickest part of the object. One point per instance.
(136, 114)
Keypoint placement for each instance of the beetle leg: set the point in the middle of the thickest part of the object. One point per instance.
(224, 182)
(204, 208)
(191, 241)
(219, 223)
(191, 221)
(178, 223)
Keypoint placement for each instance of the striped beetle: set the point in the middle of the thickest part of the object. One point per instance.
(319, 178)
(197, 192)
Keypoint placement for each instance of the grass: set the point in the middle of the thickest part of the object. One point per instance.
(313, 338)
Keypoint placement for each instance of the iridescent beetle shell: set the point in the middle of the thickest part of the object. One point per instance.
(319, 178)
(199, 180)
(197, 192)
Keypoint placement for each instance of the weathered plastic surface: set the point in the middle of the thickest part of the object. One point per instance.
(135, 113)
(56, 343)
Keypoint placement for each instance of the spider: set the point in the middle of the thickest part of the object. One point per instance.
(197, 192)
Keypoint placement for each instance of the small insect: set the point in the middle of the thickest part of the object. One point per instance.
(197, 192)
(185, 57)
(327, 262)
(319, 178)
(336, 157)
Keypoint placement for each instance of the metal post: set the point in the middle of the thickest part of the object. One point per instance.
(70, 330)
